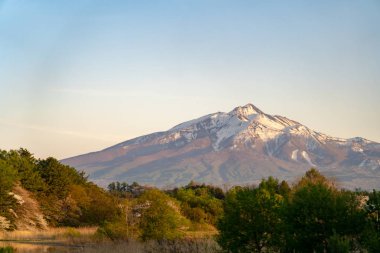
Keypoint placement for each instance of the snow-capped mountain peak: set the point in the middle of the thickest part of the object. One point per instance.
(246, 110)
(237, 147)
(242, 125)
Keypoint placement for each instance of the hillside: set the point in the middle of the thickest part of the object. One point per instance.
(36, 194)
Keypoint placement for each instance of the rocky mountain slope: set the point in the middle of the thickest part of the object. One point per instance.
(238, 147)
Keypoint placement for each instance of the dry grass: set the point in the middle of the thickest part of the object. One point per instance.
(198, 239)
(177, 246)
(66, 235)
(182, 246)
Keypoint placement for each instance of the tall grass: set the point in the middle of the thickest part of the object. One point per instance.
(85, 240)
(132, 246)
(52, 234)
(165, 246)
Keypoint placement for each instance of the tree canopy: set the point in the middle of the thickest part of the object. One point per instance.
(251, 218)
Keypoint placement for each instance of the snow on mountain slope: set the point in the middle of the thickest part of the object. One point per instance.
(237, 147)
(295, 154)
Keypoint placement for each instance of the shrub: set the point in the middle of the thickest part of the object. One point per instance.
(200, 203)
(116, 230)
(159, 218)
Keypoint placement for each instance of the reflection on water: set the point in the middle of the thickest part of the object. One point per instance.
(21, 247)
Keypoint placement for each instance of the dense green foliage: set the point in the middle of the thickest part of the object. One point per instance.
(317, 211)
(148, 214)
(154, 214)
(252, 217)
(312, 216)
(199, 202)
(159, 217)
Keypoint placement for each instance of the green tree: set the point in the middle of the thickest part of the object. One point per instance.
(316, 210)
(58, 177)
(99, 206)
(7, 178)
(199, 204)
(159, 217)
(23, 162)
(251, 218)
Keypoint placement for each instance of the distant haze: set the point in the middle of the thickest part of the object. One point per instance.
(79, 76)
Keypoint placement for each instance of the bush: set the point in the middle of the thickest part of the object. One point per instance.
(116, 231)
(159, 218)
(200, 203)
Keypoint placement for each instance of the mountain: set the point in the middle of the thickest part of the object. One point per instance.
(239, 147)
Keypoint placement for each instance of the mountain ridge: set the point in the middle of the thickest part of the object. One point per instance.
(237, 147)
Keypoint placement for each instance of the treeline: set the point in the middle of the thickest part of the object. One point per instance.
(150, 213)
(123, 211)
(65, 196)
(311, 216)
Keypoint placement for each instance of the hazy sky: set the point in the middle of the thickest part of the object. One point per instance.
(78, 76)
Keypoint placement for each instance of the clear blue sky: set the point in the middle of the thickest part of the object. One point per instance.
(78, 76)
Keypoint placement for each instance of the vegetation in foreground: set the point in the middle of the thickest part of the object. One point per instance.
(312, 215)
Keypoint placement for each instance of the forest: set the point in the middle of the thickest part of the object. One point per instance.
(310, 215)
